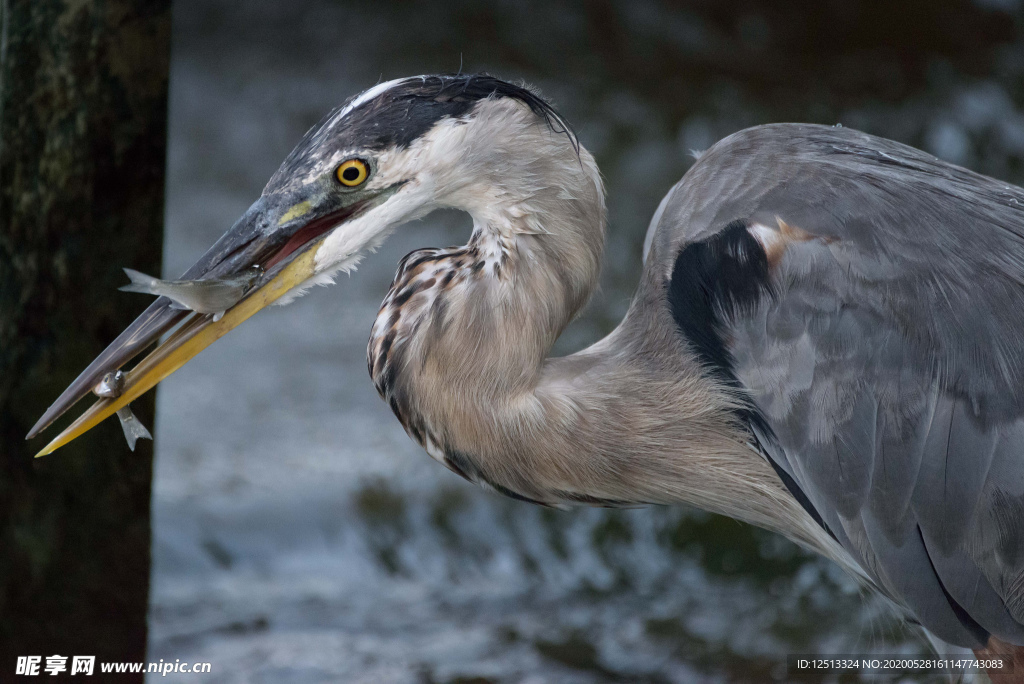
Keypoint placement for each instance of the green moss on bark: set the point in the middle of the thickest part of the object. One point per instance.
(83, 101)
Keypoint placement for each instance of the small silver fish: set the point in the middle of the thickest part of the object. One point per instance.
(110, 387)
(203, 296)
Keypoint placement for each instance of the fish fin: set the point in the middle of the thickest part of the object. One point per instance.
(217, 316)
(139, 278)
(133, 428)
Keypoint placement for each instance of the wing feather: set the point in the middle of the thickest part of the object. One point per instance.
(885, 355)
(959, 452)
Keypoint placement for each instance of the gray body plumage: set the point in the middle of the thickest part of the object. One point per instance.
(887, 356)
(827, 340)
(868, 302)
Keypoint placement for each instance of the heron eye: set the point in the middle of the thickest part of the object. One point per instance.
(352, 172)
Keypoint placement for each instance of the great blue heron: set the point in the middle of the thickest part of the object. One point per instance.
(827, 340)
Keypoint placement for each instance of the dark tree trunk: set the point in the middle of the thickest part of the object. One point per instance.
(83, 102)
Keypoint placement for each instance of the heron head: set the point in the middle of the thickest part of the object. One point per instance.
(387, 156)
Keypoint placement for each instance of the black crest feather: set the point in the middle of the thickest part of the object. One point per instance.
(404, 112)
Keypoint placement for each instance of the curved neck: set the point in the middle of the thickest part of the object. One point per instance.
(459, 352)
(475, 323)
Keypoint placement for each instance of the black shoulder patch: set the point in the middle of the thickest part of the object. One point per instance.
(713, 280)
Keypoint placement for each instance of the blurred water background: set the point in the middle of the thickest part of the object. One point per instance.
(300, 536)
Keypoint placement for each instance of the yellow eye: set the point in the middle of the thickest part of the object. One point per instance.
(352, 172)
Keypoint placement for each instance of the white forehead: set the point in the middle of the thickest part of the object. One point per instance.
(322, 166)
(368, 95)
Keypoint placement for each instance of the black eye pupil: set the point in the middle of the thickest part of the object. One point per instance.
(350, 174)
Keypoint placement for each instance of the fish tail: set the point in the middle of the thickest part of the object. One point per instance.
(133, 428)
(141, 283)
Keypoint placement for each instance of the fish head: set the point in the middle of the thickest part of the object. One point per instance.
(110, 386)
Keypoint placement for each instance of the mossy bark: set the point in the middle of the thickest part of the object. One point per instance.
(83, 108)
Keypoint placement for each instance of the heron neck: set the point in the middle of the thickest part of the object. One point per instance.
(460, 353)
(461, 340)
(478, 321)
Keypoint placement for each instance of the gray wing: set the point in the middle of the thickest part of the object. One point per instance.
(884, 352)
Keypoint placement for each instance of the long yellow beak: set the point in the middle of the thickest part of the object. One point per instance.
(194, 335)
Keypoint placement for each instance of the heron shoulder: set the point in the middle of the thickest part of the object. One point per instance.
(879, 337)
